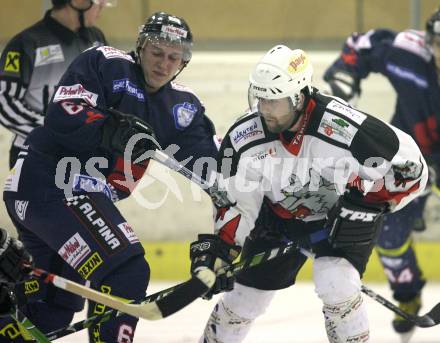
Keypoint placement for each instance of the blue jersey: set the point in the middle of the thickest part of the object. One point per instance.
(99, 79)
(407, 62)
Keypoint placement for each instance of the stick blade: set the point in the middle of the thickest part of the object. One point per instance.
(186, 294)
(432, 318)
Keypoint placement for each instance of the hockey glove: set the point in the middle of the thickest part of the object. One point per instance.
(120, 127)
(343, 84)
(352, 222)
(210, 251)
(6, 303)
(14, 259)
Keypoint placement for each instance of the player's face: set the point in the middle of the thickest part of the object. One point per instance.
(436, 50)
(278, 114)
(160, 62)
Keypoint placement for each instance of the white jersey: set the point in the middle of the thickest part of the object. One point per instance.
(302, 175)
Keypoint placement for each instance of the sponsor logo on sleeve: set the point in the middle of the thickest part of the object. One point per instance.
(128, 87)
(184, 114)
(128, 232)
(48, 54)
(105, 234)
(31, 286)
(110, 52)
(246, 132)
(20, 208)
(76, 91)
(12, 63)
(75, 250)
(337, 128)
(88, 267)
(347, 111)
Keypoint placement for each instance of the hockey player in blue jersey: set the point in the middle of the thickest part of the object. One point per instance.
(410, 60)
(61, 192)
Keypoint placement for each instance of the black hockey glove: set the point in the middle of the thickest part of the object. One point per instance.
(352, 222)
(210, 251)
(120, 127)
(14, 259)
(6, 303)
(343, 84)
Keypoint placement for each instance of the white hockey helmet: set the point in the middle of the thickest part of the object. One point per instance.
(281, 73)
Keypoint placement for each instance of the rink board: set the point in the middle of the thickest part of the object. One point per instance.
(170, 261)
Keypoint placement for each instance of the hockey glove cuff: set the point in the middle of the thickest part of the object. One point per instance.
(343, 84)
(353, 222)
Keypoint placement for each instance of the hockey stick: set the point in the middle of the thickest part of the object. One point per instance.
(182, 296)
(24, 323)
(219, 197)
(236, 267)
(429, 319)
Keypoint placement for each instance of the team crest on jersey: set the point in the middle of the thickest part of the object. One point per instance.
(48, 54)
(337, 128)
(76, 91)
(12, 63)
(184, 114)
(246, 132)
(110, 52)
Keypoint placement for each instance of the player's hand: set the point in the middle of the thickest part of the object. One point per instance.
(210, 251)
(14, 259)
(343, 84)
(120, 127)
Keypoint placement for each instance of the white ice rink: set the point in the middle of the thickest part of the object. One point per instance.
(293, 317)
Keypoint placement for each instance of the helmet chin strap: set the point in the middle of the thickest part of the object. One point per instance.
(81, 12)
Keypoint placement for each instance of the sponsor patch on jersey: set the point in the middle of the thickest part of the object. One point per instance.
(76, 91)
(91, 184)
(71, 108)
(128, 232)
(20, 208)
(31, 286)
(12, 62)
(337, 128)
(88, 267)
(261, 155)
(75, 250)
(48, 55)
(184, 114)
(246, 132)
(105, 234)
(347, 111)
(110, 52)
(128, 87)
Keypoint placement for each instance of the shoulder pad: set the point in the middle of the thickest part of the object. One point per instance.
(414, 42)
(110, 52)
(246, 130)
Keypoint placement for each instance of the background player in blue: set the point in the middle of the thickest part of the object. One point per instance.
(34, 60)
(410, 60)
(105, 97)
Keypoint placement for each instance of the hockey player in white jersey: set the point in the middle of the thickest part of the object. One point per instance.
(307, 168)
